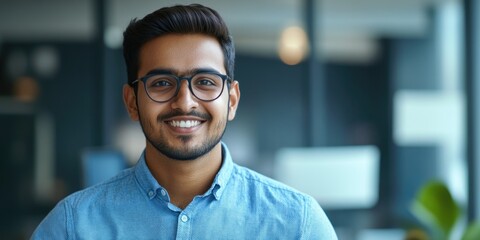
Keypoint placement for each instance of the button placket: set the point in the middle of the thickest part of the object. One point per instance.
(184, 228)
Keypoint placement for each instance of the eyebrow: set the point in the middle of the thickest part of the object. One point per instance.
(176, 72)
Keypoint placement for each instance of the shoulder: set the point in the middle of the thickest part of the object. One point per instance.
(266, 193)
(59, 223)
(55, 224)
(282, 200)
(263, 183)
(116, 186)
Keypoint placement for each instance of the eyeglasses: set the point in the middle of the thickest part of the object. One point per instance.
(162, 87)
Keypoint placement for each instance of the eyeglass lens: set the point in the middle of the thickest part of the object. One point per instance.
(163, 87)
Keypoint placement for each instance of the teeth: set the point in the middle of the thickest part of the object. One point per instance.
(185, 124)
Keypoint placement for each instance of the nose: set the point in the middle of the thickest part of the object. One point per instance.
(184, 100)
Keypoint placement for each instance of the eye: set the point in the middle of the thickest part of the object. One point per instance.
(205, 82)
(161, 82)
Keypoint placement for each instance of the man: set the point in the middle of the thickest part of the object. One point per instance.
(180, 88)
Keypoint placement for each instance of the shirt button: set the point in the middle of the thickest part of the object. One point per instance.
(163, 192)
(184, 218)
(151, 193)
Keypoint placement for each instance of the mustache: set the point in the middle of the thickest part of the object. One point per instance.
(179, 113)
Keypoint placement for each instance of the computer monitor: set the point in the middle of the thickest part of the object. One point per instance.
(338, 177)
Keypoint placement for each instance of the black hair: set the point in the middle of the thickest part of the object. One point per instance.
(194, 18)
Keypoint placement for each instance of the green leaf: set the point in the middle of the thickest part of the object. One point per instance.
(472, 232)
(435, 206)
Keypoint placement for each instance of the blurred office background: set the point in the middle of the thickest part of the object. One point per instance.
(358, 103)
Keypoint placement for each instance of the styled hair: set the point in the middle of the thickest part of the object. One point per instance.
(183, 19)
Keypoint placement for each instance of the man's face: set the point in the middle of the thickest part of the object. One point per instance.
(185, 127)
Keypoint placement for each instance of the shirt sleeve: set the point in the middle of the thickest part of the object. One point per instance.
(316, 223)
(55, 224)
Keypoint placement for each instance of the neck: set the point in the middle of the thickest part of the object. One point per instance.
(184, 179)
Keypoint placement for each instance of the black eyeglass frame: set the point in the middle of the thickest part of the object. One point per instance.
(179, 83)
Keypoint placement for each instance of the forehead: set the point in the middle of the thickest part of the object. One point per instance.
(181, 53)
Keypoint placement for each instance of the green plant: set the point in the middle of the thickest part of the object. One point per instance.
(472, 232)
(435, 207)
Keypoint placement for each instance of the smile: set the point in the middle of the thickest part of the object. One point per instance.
(184, 124)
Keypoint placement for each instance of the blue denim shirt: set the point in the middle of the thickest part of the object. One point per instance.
(240, 204)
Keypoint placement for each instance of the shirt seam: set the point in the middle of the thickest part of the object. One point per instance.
(304, 225)
(69, 220)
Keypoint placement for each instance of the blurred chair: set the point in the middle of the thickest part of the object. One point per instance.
(101, 164)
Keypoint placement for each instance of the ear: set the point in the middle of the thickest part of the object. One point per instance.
(130, 101)
(234, 99)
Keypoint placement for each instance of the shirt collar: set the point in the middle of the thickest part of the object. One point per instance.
(224, 175)
(147, 182)
(150, 186)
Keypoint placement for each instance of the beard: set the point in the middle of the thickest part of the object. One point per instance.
(183, 152)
